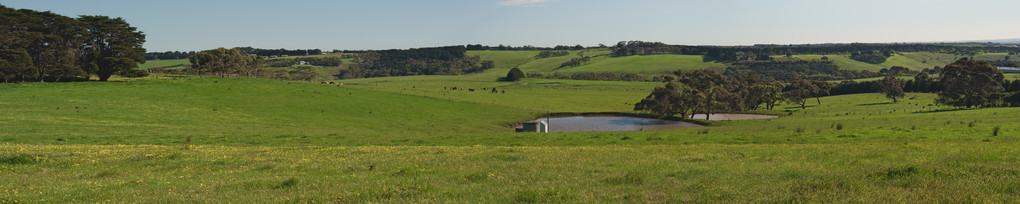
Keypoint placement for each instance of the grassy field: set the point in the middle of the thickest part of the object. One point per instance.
(905, 60)
(413, 140)
(228, 111)
(176, 64)
(997, 57)
(649, 65)
(505, 59)
(954, 172)
(937, 59)
(270, 141)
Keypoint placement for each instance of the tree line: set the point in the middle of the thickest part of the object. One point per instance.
(450, 60)
(707, 91)
(279, 52)
(168, 55)
(865, 50)
(789, 70)
(235, 63)
(525, 47)
(871, 56)
(317, 61)
(964, 83)
(548, 53)
(43, 46)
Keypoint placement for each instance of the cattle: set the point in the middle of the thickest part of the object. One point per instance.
(471, 90)
(325, 82)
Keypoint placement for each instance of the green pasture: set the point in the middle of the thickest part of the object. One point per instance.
(919, 171)
(413, 139)
(648, 65)
(169, 64)
(997, 57)
(418, 111)
(844, 62)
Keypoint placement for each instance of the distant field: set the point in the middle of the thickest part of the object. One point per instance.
(844, 62)
(506, 59)
(937, 59)
(997, 57)
(535, 95)
(169, 64)
(316, 56)
(874, 79)
(646, 64)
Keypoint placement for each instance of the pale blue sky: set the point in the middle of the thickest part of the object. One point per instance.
(381, 24)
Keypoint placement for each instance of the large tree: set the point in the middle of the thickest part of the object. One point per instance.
(969, 82)
(712, 91)
(822, 90)
(111, 46)
(891, 86)
(16, 65)
(671, 99)
(756, 91)
(798, 91)
(49, 40)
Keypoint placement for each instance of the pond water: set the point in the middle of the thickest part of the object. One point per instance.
(611, 123)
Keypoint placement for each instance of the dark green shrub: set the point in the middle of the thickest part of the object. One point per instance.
(515, 74)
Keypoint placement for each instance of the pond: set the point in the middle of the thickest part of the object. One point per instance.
(611, 123)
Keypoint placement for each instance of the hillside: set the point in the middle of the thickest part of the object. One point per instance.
(229, 111)
(169, 64)
(378, 140)
(649, 65)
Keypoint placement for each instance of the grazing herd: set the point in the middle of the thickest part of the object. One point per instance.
(493, 90)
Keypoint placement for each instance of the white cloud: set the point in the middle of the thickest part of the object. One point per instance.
(524, 3)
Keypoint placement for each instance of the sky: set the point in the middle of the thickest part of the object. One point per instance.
(194, 25)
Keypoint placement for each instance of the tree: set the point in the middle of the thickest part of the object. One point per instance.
(712, 91)
(755, 91)
(892, 87)
(667, 100)
(15, 64)
(515, 74)
(49, 40)
(222, 61)
(821, 89)
(798, 91)
(488, 64)
(111, 46)
(969, 82)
